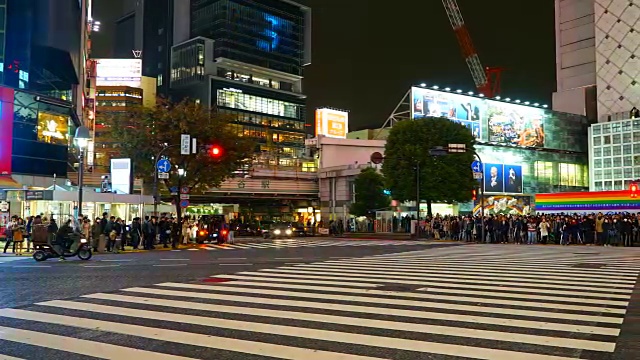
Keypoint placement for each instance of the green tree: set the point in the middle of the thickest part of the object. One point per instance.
(145, 131)
(442, 179)
(369, 186)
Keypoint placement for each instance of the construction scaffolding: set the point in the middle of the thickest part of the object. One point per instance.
(402, 111)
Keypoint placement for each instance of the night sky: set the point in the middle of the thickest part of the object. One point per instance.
(366, 57)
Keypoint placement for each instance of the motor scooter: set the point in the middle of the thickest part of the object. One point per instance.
(80, 248)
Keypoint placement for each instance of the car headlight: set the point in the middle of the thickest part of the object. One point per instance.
(288, 232)
(277, 232)
(83, 241)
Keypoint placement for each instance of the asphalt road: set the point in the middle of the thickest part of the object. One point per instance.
(329, 300)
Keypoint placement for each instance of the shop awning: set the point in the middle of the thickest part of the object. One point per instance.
(7, 182)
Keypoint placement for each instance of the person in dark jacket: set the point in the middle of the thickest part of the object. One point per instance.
(136, 233)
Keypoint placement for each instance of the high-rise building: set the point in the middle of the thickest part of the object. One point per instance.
(43, 47)
(597, 49)
(246, 58)
(145, 31)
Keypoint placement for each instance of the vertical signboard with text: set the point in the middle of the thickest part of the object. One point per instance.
(6, 135)
(332, 123)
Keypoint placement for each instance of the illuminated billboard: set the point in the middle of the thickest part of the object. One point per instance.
(515, 124)
(119, 72)
(465, 110)
(121, 176)
(332, 123)
(506, 123)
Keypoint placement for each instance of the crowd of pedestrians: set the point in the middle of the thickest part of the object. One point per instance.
(106, 233)
(620, 229)
(113, 234)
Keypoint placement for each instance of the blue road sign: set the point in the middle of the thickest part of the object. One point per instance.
(163, 165)
(476, 166)
(184, 203)
(173, 189)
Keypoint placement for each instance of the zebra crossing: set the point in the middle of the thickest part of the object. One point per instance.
(301, 243)
(466, 302)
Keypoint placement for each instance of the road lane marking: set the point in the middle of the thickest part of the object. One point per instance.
(100, 266)
(171, 265)
(473, 319)
(227, 264)
(350, 321)
(117, 260)
(407, 303)
(30, 266)
(175, 259)
(88, 348)
(175, 336)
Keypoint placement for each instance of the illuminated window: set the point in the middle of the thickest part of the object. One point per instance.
(53, 129)
(597, 175)
(242, 101)
(597, 152)
(576, 174)
(544, 171)
(597, 163)
(597, 140)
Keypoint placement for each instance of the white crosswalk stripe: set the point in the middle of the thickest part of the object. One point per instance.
(8, 259)
(466, 302)
(302, 243)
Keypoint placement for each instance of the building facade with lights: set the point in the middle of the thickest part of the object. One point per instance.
(614, 154)
(525, 148)
(43, 73)
(246, 59)
(597, 50)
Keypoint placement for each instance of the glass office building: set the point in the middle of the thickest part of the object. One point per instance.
(268, 33)
(245, 58)
(614, 154)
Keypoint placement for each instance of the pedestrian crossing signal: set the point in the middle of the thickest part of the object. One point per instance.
(633, 190)
(474, 194)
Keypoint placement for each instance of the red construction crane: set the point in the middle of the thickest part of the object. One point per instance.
(487, 79)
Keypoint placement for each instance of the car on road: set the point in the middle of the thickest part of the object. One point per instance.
(211, 228)
(278, 231)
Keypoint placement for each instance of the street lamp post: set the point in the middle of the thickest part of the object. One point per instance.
(82, 140)
(461, 148)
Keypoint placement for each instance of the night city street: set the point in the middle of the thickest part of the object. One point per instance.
(326, 299)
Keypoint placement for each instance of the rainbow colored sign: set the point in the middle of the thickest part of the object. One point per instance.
(587, 202)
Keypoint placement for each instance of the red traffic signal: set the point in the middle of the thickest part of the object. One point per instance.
(474, 194)
(215, 151)
(633, 190)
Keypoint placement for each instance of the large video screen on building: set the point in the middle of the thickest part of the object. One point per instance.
(465, 110)
(506, 123)
(119, 72)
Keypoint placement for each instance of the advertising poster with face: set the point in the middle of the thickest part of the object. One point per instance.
(493, 178)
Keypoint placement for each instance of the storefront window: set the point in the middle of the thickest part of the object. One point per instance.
(53, 129)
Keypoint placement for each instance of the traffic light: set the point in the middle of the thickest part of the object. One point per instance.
(474, 194)
(214, 151)
(633, 190)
